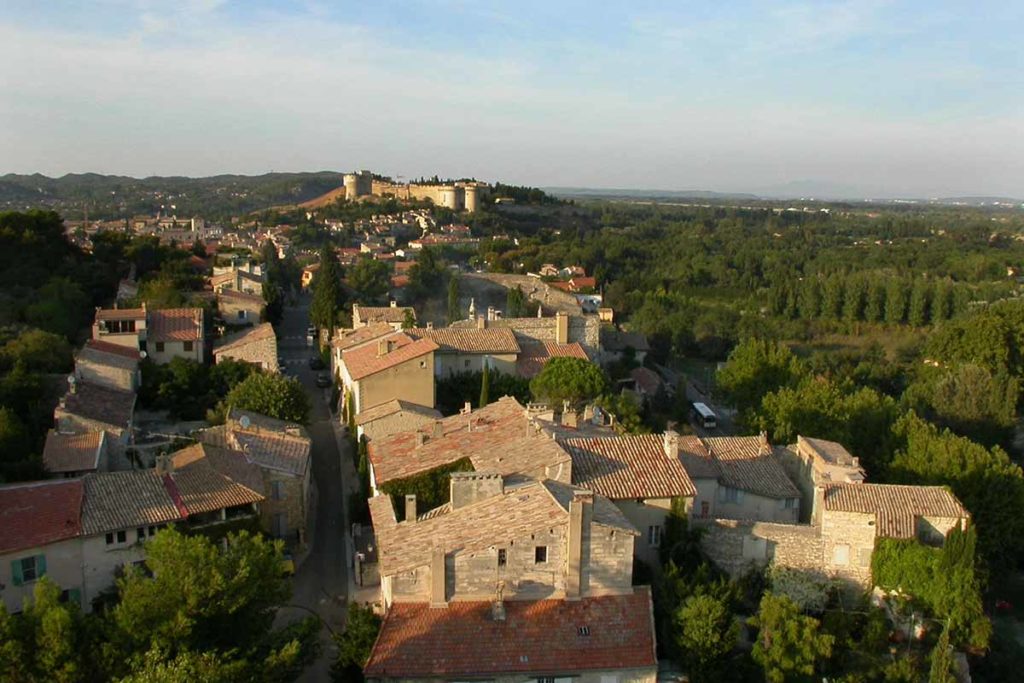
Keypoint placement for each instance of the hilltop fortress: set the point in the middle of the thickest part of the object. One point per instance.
(460, 196)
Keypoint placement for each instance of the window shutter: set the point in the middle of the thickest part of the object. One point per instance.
(75, 596)
(40, 566)
(16, 573)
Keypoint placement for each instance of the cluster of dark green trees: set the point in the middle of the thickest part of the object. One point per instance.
(200, 612)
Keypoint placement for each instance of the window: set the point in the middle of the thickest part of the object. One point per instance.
(280, 525)
(502, 557)
(159, 347)
(790, 503)
(140, 533)
(152, 531)
(241, 315)
(730, 495)
(110, 539)
(841, 555)
(423, 363)
(465, 363)
(277, 490)
(705, 509)
(71, 595)
(187, 345)
(28, 569)
(540, 554)
(122, 536)
(654, 535)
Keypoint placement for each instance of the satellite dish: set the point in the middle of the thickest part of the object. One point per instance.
(143, 355)
(245, 422)
(72, 379)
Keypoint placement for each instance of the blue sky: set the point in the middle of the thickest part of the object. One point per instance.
(887, 98)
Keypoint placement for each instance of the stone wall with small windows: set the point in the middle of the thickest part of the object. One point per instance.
(287, 496)
(737, 546)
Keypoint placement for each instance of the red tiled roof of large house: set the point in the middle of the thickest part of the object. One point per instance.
(37, 513)
(210, 478)
(896, 508)
(628, 467)
(72, 452)
(350, 339)
(100, 346)
(368, 360)
(535, 355)
(469, 340)
(176, 324)
(496, 438)
(536, 638)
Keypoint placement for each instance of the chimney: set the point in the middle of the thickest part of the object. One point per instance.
(498, 606)
(164, 465)
(437, 578)
(382, 348)
(467, 408)
(580, 513)
(466, 488)
(437, 430)
(671, 442)
(410, 507)
(421, 439)
(481, 323)
(430, 325)
(490, 313)
(394, 304)
(570, 419)
(561, 327)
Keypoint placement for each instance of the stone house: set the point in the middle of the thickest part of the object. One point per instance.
(813, 463)
(90, 408)
(560, 328)
(71, 454)
(237, 280)
(240, 308)
(346, 340)
(738, 477)
(500, 437)
(528, 541)
(841, 546)
(467, 350)
(617, 345)
(640, 474)
(257, 345)
(40, 525)
(396, 366)
(162, 334)
(107, 364)
(393, 315)
(280, 450)
(393, 417)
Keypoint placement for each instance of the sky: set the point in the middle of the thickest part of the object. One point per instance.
(879, 98)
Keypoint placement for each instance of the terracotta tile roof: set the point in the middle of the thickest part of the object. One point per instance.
(280, 452)
(100, 404)
(501, 440)
(252, 335)
(121, 314)
(518, 511)
(37, 513)
(392, 407)
(365, 361)
(351, 339)
(895, 507)
(106, 353)
(387, 314)
(696, 458)
(399, 281)
(628, 467)
(535, 354)
(536, 638)
(210, 478)
(583, 282)
(72, 452)
(461, 340)
(122, 500)
(614, 340)
(647, 380)
(175, 324)
(748, 463)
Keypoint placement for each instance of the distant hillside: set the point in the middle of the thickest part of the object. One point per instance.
(214, 197)
(610, 193)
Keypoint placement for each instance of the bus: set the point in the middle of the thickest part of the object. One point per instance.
(704, 416)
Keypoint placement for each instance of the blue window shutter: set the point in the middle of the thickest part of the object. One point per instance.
(75, 596)
(16, 572)
(40, 566)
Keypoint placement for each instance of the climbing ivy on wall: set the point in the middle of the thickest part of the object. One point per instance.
(431, 488)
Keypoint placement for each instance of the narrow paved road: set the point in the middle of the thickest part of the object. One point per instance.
(321, 583)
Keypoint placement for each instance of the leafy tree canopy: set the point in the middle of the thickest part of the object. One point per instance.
(568, 379)
(272, 395)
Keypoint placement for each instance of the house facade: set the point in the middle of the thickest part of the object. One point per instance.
(396, 366)
(394, 315)
(240, 308)
(468, 350)
(162, 334)
(257, 346)
(394, 417)
(110, 365)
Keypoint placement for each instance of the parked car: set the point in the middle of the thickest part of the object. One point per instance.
(323, 380)
(316, 363)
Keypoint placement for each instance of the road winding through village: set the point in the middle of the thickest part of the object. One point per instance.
(321, 583)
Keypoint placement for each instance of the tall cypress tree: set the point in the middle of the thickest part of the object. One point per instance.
(328, 296)
(485, 385)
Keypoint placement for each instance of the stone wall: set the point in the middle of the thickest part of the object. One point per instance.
(262, 352)
(475, 576)
(106, 375)
(292, 503)
(736, 546)
(848, 541)
(607, 560)
(409, 381)
(454, 363)
(237, 311)
(401, 421)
